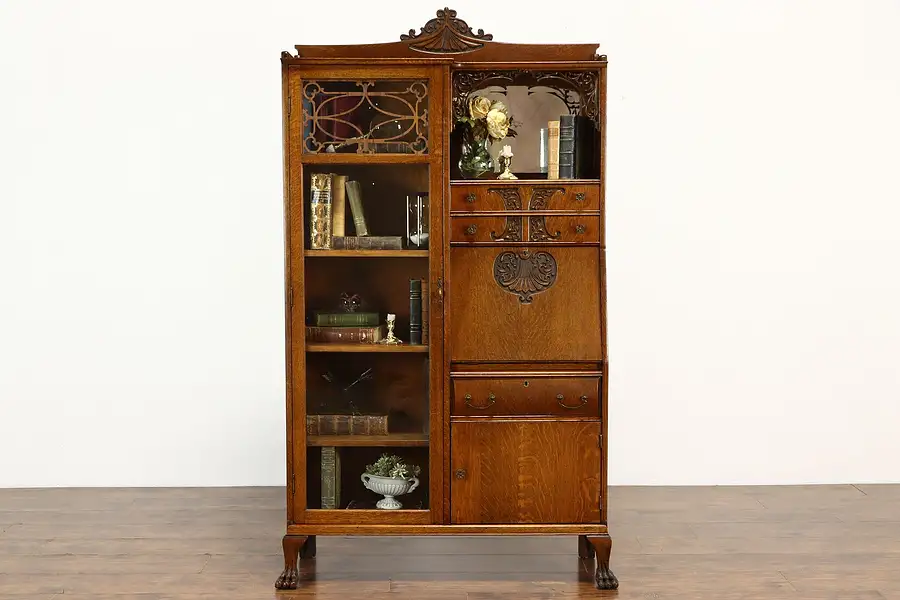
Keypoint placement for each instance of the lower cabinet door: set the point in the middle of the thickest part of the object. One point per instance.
(525, 471)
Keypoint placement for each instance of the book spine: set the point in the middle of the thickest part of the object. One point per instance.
(567, 147)
(346, 424)
(320, 211)
(346, 319)
(415, 311)
(383, 242)
(331, 477)
(585, 148)
(354, 196)
(338, 205)
(426, 300)
(343, 335)
(553, 150)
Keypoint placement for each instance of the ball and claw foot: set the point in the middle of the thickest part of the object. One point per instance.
(605, 579)
(290, 576)
(288, 579)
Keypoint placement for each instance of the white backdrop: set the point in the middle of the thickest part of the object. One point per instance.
(753, 200)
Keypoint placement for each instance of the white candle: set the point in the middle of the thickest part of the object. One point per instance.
(507, 151)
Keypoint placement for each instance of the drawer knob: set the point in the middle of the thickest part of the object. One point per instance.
(560, 398)
(491, 400)
(580, 228)
(579, 197)
(460, 473)
(470, 230)
(470, 198)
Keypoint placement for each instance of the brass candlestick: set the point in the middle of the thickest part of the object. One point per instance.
(390, 339)
(505, 160)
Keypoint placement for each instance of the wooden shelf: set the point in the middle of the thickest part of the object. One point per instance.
(516, 182)
(368, 253)
(340, 158)
(392, 439)
(366, 348)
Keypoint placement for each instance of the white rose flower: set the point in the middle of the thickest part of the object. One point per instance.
(497, 124)
(479, 107)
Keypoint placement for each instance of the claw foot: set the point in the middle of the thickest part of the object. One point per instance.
(288, 579)
(605, 579)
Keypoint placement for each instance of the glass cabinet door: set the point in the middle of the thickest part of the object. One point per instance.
(365, 266)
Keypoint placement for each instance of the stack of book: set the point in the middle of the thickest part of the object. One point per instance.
(344, 328)
(329, 196)
(571, 151)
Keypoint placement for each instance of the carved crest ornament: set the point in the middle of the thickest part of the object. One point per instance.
(525, 273)
(446, 35)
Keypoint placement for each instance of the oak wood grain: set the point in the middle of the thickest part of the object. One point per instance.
(525, 395)
(525, 471)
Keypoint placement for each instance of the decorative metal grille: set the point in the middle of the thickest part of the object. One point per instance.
(366, 117)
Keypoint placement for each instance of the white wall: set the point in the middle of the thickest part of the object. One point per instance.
(753, 200)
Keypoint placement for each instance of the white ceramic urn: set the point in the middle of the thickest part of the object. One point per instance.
(389, 487)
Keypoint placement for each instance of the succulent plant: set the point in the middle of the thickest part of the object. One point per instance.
(391, 465)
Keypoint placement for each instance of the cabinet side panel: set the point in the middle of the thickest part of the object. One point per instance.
(297, 349)
(286, 232)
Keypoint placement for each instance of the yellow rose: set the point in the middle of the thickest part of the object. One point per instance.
(497, 124)
(479, 107)
(499, 106)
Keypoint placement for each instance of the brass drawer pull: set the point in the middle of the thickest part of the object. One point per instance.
(491, 400)
(470, 230)
(470, 198)
(579, 197)
(580, 228)
(560, 398)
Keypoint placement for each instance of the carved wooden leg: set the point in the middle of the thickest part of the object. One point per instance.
(308, 549)
(585, 549)
(603, 577)
(288, 578)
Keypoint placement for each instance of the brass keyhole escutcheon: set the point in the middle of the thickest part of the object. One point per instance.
(526, 383)
(580, 228)
(460, 473)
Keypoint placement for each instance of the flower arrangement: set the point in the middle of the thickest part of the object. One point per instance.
(487, 121)
(392, 466)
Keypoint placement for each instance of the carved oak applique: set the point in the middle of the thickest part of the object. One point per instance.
(537, 230)
(525, 274)
(510, 195)
(540, 197)
(446, 35)
(512, 231)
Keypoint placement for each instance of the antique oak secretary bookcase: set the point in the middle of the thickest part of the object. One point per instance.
(495, 287)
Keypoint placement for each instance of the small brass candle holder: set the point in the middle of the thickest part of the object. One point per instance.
(390, 339)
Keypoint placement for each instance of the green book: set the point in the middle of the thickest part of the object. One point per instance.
(345, 319)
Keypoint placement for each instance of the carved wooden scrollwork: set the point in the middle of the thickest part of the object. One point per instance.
(583, 83)
(446, 35)
(540, 197)
(512, 231)
(537, 230)
(510, 196)
(525, 274)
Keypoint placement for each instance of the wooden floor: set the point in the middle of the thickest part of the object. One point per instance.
(723, 543)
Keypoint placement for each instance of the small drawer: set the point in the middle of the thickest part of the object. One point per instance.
(544, 196)
(526, 396)
(564, 229)
(486, 229)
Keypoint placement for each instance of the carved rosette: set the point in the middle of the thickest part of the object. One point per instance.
(525, 274)
(446, 35)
